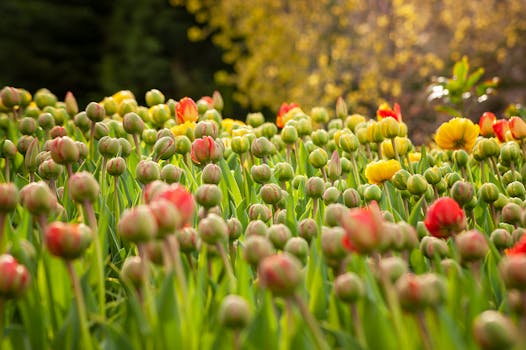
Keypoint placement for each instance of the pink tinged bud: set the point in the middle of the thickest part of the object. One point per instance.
(333, 245)
(9, 197)
(148, 171)
(14, 277)
(349, 288)
(279, 234)
(363, 228)
(166, 216)
(308, 229)
(137, 224)
(188, 239)
(133, 271)
(83, 187)
(493, 331)
(256, 248)
(205, 150)
(71, 104)
(513, 271)
(67, 241)
(95, 112)
(64, 150)
(281, 274)
(472, 246)
(208, 196)
(38, 199)
(234, 312)
(213, 229)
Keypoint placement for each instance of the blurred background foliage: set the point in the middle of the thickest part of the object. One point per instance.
(259, 53)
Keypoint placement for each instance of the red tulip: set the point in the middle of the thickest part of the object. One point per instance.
(205, 150)
(363, 228)
(67, 241)
(486, 122)
(519, 248)
(186, 110)
(384, 111)
(183, 200)
(500, 127)
(445, 218)
(517, 127)
(284, 109)
(14, 277)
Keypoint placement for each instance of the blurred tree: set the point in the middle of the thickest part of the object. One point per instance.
(313, 51)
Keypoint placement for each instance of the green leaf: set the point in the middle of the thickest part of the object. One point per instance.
(474, 78)
(460, 71)
(448, 110)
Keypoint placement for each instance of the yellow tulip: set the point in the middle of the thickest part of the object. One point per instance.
(380, 171)
(458, 133)
(183, 129)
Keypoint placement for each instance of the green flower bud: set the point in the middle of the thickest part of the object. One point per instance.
(183, 145)
(372, 193)
(512, 214)
(462, 192)
(349, 142)
(472, 246)
(132, 123)
(489, 192)
(101, 130)
(432, 175)
(451, 178)
(9, 197)
(283, 172)
(14, 277)
(147, 171)
(314, 187)
(38, 199)
(335, 124)
(334, 213)
(137, 224)
(400, 179)
(270, 193)
(281, 274)
(304, 127)
(109, 147)
(255, 119)
(331, 195)
(213, 229)
(171, 173)
(390, 128)
(320, 137)
(308, 229)
(83, 149)
(501, 238)
(261, 173)
(432, 246)
(149, 136)
(331, 245)
(516, 189)
(23, 143)
(208, 196)
(45, 121)
(206, 128)
(10, 97)
(256, 228)
(494, 331)
(240, 144)
(188, 239)
(133, 271)
(262, 147)
(259, 211)
(116, 166)
(82, 121)
(234, 312)
(510, 176)
(164, 148)
(154, 97)
(393, 267)
(349, 288)
(269, 130)
(461, 157)
(510, 152)
(256, 249)
(299, 248)
(235, 229)
(48, 169)
(351, 198)
(83, 187)
(319, 115)
(318, 158)
(341, 108)
(278, 235)
(27, 126)
(95, 112)
(417, 184)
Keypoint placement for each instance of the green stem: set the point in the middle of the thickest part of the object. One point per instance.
(358, 327)
(358, 182)
(2, 302)
(81, 307)
(228, 267)
(319, 339)
(422, 329)
(99, 262)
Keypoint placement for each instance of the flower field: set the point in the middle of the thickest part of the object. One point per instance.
(170, 225)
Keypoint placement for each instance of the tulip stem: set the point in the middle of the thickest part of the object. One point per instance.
(422, 329)
(357, 180)
(319, 339)
(2, 230)
(137, 146)
(228, 266)
(358, 328)
(483, 171)
(397, 156)
(99, 265)
(177, 262)
(7, 170)
(81, 307)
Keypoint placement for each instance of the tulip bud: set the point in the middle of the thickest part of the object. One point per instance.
(147, 171)
(281, 274)
(137, 224)
(10, 97)
(314, 187)
(410, 292)
(393, 267)
(8, 149)
(213, 229)
(417, 184)
(256, 228)
(14, 277)
(261, 173)
(259, 211)
(516, 189)
(331, 245)
(462, 192)
(472, 246)
(390, 128)
(48, 169)
(341, 108)
(298, 247)
(95, 112)
(351, 198)
(83, 187)
(132, 271)
(432, 175)
(9, 197)
(289, 134)
(211, 174)
(270, 193)
(149, 136)
(400, 179)
(182, 145)
(38, 199)
(208, 195)
(501, 238)
(188, 239)
(513, 271)
(101, 130)
(27, 126)
(318, 158)
(308, 229)
(206, 128)
(67, 241)
(235, 229)
(234, 312)
(372, 193)
(489, 192)
(509, 152)
(83, 149)
(240, 144)
(278, 235)
(493, 331)
(320, 137)
(512, 213)
(154, 97)
(432, 246)
(132, 123)
(164, 148)
(261, 147)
